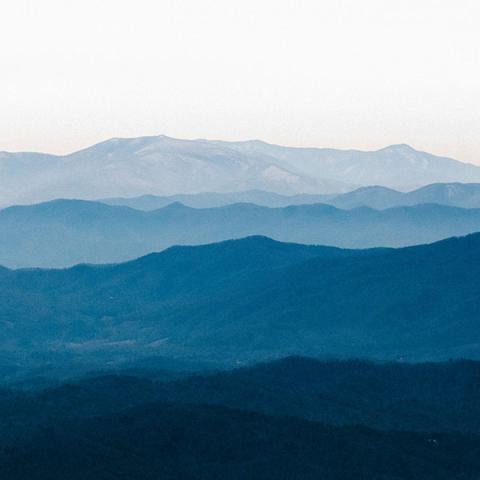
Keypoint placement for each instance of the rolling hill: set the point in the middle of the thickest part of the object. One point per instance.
(251, 299)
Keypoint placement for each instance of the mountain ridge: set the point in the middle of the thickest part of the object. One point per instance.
(252, 299)
(165, 166)
(465, 195)
(94, 232)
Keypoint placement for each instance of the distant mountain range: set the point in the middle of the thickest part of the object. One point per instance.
(251, 299)
(66, 232)
(165, 166)
(464, 195)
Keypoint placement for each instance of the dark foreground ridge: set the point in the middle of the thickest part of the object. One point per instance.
(252, 422)
(170, 442)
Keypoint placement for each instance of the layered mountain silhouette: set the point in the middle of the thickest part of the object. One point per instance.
(252, 299)
(165, 166)
(227, 353)
(67, 232)
(464, 195)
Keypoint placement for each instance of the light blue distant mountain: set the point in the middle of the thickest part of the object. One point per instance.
(161, 165)
(464, 195)
(215, 199)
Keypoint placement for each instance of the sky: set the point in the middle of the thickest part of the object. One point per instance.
(328, 73)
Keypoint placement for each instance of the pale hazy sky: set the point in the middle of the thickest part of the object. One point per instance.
(347, 74)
